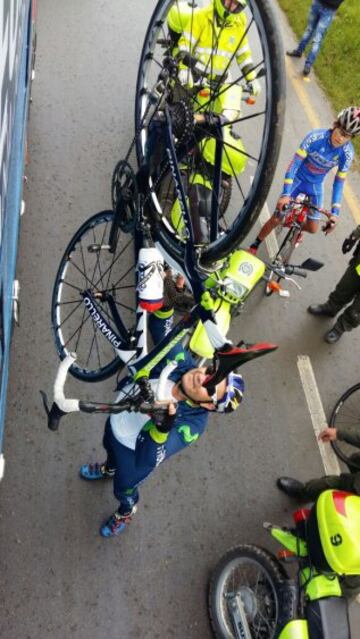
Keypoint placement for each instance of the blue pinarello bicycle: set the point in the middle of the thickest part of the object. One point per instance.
(199, 186)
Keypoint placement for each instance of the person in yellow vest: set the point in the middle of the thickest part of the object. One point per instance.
(208, 39)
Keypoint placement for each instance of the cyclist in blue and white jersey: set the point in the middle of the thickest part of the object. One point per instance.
(137, 444)
(319, 152)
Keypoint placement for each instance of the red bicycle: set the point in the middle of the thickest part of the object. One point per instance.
(295, 218)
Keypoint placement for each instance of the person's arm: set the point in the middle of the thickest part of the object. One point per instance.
(244, 59)
(339, 180)
(187, 52)
(299, 156)
(157, 442)
(351, 240)
(348, 434)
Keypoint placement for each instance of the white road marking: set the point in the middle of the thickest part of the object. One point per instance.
(270, 241)
(317, 414)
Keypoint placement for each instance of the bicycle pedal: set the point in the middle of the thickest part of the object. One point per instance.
(96, 248)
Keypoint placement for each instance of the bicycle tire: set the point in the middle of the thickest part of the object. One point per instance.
(276, 578)
(257, 183)
(81, 269)
(346, 412)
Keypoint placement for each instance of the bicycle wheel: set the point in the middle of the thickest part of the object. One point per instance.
(255, 134)
(346, 413)
(255, 575)
(88, 264)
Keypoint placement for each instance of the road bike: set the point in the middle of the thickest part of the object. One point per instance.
(227, 167)
(94, 292)
(95, 310)
(295, 218)
(252, 597)
(346, 412)
(202, 330)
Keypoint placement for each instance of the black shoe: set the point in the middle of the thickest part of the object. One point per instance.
(294, 54)
(291, 487)
(306, 69)
(333, 335)
(321, 309)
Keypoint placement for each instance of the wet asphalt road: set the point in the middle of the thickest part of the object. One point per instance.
(58, 577)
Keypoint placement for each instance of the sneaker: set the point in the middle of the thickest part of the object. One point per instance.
(96, 471)
(306, 69)
(252, 250)
(116, 524)
(295, 53)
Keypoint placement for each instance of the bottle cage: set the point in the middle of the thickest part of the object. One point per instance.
(230, 357)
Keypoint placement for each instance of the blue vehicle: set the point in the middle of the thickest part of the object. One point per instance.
(17, 58)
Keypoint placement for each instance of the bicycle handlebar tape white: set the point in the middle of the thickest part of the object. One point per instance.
(162, 385)
(66, 405)
(150, 285)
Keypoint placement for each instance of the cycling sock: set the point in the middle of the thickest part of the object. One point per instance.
(256, 243)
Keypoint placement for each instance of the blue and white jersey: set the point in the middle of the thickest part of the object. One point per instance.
(313, 160)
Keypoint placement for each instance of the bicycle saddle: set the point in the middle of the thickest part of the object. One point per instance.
(230, 357)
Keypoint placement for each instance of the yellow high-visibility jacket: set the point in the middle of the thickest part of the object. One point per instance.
(216, 45)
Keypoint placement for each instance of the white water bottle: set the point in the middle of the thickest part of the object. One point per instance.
(150, 286)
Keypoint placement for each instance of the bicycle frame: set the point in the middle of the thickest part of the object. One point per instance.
(142, 361)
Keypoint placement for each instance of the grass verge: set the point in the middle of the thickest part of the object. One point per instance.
(337, 66)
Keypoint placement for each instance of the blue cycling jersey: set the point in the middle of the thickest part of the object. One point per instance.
(313, 160)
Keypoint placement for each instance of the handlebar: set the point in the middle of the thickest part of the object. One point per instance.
(144, 402)
(306, 204)
(295, 270)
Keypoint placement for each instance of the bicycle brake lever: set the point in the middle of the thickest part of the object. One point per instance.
(292, 281)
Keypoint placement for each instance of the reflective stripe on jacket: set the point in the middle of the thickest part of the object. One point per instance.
(216, 46)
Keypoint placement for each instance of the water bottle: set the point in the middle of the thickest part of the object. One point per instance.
(150, 286)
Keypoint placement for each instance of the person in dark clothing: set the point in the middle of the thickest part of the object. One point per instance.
(350, 482)
(321, 15)
(346, 293)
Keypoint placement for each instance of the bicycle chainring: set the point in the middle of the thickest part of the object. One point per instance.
(125, 196)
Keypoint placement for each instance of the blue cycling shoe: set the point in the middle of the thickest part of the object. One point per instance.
(96, 471)
(116, 524)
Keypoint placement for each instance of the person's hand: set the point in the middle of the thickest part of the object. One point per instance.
(327, 435)
(180, 281)
(348, 243)
(254, 87)
(330, 224)
(185, 78)
(172, 409)
(164, 416)
(282, 202)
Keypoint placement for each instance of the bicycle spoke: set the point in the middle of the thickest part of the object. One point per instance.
(70, 314)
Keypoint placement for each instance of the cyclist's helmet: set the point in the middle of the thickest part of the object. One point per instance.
(349, 120)
(226, 14)
(233, 394)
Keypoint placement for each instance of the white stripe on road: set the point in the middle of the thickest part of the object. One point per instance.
(270, 241)
(317, 413)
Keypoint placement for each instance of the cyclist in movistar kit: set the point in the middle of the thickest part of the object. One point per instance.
(136, 444)
(319, 152)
